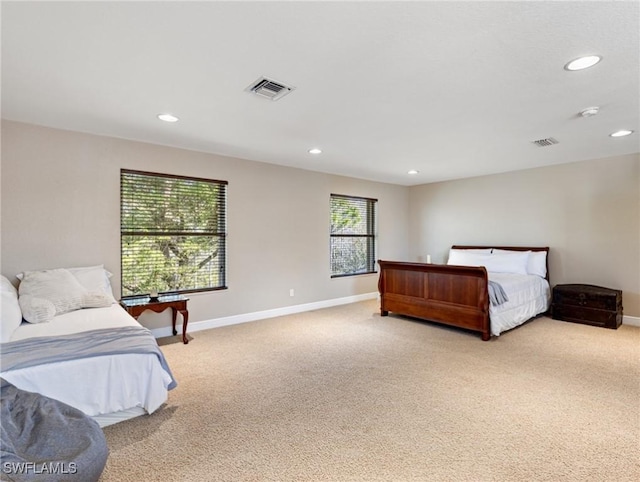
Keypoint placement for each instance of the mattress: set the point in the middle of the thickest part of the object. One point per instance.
(98, 386)
(529, 295)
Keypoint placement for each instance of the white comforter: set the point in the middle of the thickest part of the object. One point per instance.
(99, 385)
(529, 295)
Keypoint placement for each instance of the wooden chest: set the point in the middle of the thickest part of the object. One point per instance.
(588, 304)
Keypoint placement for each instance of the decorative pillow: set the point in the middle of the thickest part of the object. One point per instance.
(48, 293)
(58, 286)
(37, 310)
(10, 312)
(96, 299)
(93, 278)
(537, 263)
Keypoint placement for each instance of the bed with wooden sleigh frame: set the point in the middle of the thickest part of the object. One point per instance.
(449, 294)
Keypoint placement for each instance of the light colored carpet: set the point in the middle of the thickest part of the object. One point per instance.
(343, 394)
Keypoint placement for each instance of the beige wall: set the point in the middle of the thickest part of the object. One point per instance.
(588, 213)
(61, 207)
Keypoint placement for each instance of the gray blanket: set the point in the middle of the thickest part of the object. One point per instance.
(43, 439)
(497, 295)
(110, 341)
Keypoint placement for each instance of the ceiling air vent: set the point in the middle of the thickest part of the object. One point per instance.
(549, 141)
(269, 89)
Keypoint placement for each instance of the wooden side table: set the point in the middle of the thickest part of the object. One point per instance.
(178, 304)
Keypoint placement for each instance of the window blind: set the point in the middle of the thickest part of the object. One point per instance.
(173, 233)
(353, 235)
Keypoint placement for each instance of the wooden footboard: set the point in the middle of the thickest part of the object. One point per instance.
(453, 295)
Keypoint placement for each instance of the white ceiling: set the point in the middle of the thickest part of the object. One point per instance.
(452, 89)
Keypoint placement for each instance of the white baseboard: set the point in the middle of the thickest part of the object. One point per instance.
(261, 315)
(290, 310)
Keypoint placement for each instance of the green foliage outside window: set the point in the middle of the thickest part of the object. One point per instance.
(353, 226)
(173, 233)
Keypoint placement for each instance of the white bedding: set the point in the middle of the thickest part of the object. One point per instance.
(100, 385)
(529, 295)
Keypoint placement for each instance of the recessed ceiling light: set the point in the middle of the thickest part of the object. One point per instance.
(413, 171)
(621, 133)
(589, 111)
(583, 62)
(315, 150)
(167, 118)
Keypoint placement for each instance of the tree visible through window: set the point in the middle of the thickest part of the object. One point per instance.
(173, 233)
(353, 235)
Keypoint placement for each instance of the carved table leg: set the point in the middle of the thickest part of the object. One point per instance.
(185, 320)
(174, 312)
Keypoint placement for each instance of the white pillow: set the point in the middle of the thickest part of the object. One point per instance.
(59, 288)
(96, 299)
(10, 312)
(473, 250)
(56, 285)
(508, 263)
(41, 310)
(464, 257)
(456, 251)
(537, 263)
(37, 310)
(94, 278)
(497, 263)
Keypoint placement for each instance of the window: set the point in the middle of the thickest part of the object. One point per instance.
(172, 233)
(353, 235)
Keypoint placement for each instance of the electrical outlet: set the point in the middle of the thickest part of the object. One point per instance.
(291, 292)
